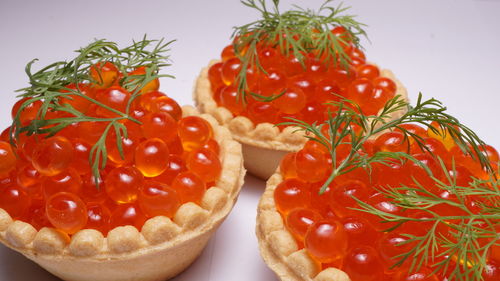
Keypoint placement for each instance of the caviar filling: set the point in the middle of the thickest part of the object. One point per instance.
(423, 204)
(103, 147)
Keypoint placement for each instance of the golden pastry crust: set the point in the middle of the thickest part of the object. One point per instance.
(264, 138)
(279, 249)
(160, 250)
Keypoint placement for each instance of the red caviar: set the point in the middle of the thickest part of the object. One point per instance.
(334, 233)
(161, 162)
(296, 85)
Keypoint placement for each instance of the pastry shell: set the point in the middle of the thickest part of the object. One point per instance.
(263, 144)
(163, 248)
(279, 249)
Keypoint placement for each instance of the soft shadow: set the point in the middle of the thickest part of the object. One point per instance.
(16, 267)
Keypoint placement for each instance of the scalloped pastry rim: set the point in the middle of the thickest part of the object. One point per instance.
(263, 135)
(278, 261)
(230, 182)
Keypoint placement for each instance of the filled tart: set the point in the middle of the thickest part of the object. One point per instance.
(415, 198)
(286, 66)
(104, 177)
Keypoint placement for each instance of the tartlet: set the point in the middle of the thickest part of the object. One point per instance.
(104, 177)
(161, 250)
(263, 145)
(296, 64)
(309, 226)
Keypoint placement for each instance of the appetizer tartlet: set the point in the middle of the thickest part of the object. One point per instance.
(292, 65)
(416, 198)
(104, 177)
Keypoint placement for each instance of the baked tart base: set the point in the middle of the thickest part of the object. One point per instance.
(163, 248)
(263, 144)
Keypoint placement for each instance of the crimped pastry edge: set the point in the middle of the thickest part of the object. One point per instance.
(163, 248)
(260, 139)
(279, 249)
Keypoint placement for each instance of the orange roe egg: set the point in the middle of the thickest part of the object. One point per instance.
(205, 164)
(7, 158)
(150, 86)
(194, 132)
(212, 145)
(227, 53)
(114, 97)
(391, 245)
(313, 165)
(230, 69)
(363, 263)
(123, 184)
(29, 112)
(261, 112)
(52, 155)
(189, 186)
(440, 134)
(299, 220)
(392, 142)
(127, 214)
(326, 241)
(128, 146)
(159, 125)
(147, 101)
(231, 99)
(104, 75)
(359, 231)
(491, 272)
(77, 102)
(98, 217)
(81, 163)
(291, 194)
(151, 157)
(168, 105)
(14, 200)
(287, 166)
(423, 274)
(387, 87)
(175, 165)
(158, 199)
(292, 101)
(36, 215)
(327, 90)
(66, 181)
(92, 192)
(342, 197)
(91, 131)
(66, 212)
(214, 75)
(28, 176)
(368, 71)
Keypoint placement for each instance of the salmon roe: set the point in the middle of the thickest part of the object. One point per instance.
(159, 164)
(335, 234)
(301, 89)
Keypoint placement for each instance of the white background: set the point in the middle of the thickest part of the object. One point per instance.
(447, 49)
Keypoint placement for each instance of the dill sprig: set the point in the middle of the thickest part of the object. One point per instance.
(297, 32)
(463, 257)
(49, 85)
(348, 126)
(340, 131)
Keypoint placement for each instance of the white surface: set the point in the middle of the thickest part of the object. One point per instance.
(446, 49)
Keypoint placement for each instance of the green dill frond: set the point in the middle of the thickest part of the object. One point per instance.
(49, 85)
(296, 32)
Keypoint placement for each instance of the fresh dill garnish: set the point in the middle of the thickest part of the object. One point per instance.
(297, 32)
(348, 126)
(49, 85)
(463, 256)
